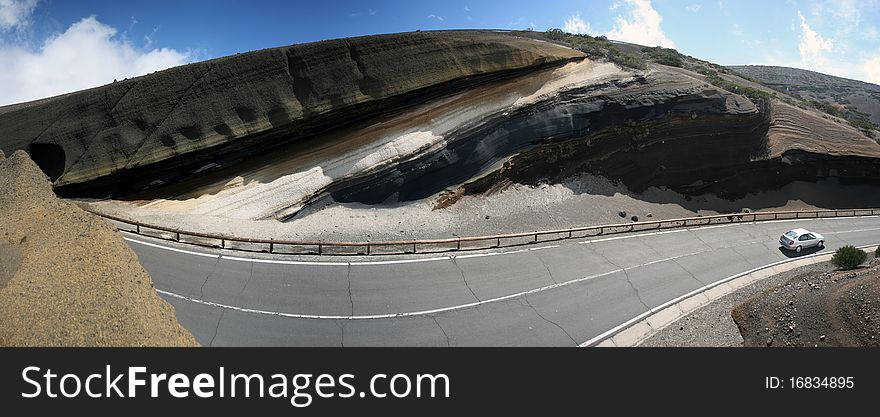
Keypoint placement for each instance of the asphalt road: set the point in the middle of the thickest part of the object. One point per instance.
(561, 293)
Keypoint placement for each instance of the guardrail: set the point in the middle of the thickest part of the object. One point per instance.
(320, 247)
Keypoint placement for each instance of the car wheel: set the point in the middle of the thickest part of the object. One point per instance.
(821, 244)
(798, 249)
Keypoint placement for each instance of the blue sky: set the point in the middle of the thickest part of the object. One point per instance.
(49, 47)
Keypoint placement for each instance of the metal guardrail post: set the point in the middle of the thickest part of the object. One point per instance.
(614, 229)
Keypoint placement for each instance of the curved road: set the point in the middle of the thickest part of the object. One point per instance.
(564, 293)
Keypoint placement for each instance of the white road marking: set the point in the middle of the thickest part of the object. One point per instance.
(422, 312)
(207, 255)
(852, 231)
(635, 319)
(325, 263)
(282, 262)
(478, 255)
(632, 236)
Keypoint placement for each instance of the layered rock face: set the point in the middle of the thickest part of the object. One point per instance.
(67, 278)
(253, 101)
(645, 130)
(412, 116)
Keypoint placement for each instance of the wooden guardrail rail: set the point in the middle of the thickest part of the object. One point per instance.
(320, 247)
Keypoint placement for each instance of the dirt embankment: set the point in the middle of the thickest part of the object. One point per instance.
(67, 278)
(837, 308)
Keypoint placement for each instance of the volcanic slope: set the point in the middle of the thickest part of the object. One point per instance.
(491, 109)
(855, 99)
(67, 278)
(161, 126)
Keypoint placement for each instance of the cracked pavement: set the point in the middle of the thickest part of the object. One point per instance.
(547, 294)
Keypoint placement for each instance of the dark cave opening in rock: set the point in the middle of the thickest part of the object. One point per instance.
(49, 157)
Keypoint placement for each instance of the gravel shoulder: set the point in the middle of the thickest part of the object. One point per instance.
(713, 325)
(579, 201)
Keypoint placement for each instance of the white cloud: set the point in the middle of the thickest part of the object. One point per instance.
(812, 45)
(15, 14)
(88, 54)
(871, 33)
(148, 39)
(693, 8)
(641, 26)
(574, 24)
(435, 17)
(871, 68)
(841, 11)
(368, 12)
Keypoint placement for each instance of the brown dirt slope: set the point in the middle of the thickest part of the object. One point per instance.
(837, 308)
(793, 128)
(70, 280)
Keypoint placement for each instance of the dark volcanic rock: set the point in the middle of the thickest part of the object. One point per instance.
(634, 130)
(254, 100)
(839, 308)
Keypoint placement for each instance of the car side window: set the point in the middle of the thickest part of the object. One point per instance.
(804, 237)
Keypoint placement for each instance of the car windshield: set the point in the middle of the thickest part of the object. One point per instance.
(791, 234)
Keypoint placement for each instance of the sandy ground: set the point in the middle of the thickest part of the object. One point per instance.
(579, 201)
(68, 278)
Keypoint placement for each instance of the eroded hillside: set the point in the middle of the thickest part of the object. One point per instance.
(430, 116)
(67, 278)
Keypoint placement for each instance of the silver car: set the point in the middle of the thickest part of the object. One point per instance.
(798, 239)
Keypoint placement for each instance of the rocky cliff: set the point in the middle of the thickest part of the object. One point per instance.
(412, 116)
(253, 101)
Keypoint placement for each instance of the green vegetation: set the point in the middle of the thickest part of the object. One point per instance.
(665, 56)
(826, 107)
(867, 127)
(632, 129)
(848, 257)
(752, 93)
(597, 47)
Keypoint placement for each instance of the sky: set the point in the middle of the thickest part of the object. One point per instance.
(51, 47)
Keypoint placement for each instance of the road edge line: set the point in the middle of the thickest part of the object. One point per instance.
(638, 329)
